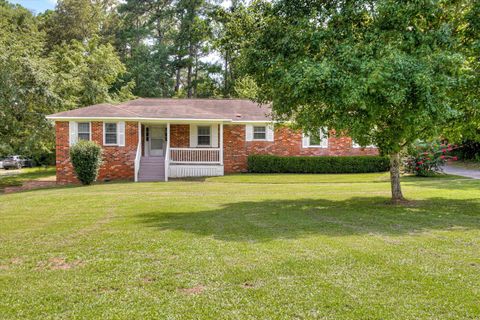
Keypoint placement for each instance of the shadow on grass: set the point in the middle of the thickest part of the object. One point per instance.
(270, 220)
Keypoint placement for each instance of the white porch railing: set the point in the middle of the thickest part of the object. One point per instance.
(195, 155)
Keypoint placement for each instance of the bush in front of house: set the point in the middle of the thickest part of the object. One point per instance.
(426, 159)
(86, 158)
(320, 164)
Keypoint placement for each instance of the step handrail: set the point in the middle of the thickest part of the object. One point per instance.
(138, 157)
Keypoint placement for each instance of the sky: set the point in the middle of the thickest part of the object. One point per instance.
(37, 6)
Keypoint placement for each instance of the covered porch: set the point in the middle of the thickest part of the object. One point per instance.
(178, 150)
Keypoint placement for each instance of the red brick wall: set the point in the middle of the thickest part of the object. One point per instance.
(65, 172)
(179, 136)
(118, 162)
(286, 143)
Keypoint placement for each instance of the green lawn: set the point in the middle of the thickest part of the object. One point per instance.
(243, 247)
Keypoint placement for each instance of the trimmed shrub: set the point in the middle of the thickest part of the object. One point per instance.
(317, 164)
(86, 158)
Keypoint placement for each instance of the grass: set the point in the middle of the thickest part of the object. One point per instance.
(16, 178)
(243, 247)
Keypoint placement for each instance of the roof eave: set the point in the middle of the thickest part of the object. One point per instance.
(190, 120)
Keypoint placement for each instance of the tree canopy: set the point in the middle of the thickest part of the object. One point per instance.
(385, 72)
(26, 93)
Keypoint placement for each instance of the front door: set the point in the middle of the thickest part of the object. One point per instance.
(156, 141)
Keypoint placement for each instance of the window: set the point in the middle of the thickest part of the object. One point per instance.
(84, 131)
(203, 135)
(316, 140)
(110, 133)
(260, 133)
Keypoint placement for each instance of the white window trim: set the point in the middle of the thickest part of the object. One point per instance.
(105, 134)
(209, 135)
(357, 146)
(269, 132)
(89, 131)
(253, 133)
(322, 145)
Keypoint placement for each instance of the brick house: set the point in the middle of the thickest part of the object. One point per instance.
(157, 139)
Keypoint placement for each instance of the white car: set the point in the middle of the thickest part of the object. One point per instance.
(16, 162)
(1, 164)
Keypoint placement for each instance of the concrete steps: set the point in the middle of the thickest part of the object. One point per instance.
(152, 169)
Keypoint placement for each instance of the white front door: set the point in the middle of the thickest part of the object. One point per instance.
(156, 141)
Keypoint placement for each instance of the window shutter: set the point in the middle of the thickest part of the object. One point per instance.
(324, 138)
(270, 132)
(214, 135)
(73, 129)
(249, 132)
(305, 141)
(193, 136)
(121, 133)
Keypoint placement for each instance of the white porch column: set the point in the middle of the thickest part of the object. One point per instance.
(140, 132)
(167, 153)
(168, 135)
(221, 144)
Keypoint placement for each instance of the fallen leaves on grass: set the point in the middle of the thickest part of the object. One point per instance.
(193, 291)
(57, 263)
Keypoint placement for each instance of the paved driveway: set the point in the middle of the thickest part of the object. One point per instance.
(470, 173)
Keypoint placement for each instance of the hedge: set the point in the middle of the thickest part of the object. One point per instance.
(318, 164)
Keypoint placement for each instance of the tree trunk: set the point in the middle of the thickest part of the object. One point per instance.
(190, 71)
(397, 195)
(189, 82)
(225, 88)
(195, 76)
(177, 80)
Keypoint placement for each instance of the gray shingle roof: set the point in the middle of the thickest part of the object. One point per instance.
(175, 109)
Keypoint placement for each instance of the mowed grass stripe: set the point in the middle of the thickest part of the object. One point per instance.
(243, 247)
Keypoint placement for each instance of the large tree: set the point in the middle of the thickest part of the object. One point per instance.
(466, 126)
(145, 44)
(72, 20)
(88, 73)
(26, 91)
(384, 72)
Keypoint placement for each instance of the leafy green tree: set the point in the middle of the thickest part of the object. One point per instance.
(232, 26)
(26, 93)
(466, 127)
(246, 88)
(72, 20)
(191, 39)
(88, 73)
(386, 72)
(146, 45)
(163, 43)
